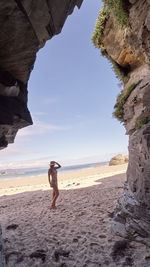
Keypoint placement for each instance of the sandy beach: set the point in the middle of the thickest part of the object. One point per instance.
(77, 233)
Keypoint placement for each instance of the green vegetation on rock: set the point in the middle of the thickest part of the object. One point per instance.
(121, 99)
(117, 8)
(141, 122)
(99, 29)
(121, 72)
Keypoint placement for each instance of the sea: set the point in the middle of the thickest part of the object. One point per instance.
(34, 172)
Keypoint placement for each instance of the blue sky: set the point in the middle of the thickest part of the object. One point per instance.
(72, 91)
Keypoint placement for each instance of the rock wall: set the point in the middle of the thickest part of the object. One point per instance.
(126, 43)
(25, 27)
(2, 252)
(129, 47)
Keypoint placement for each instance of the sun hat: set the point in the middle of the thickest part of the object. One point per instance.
(52, 163)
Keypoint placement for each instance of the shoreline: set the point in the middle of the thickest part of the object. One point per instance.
(84, 178)
(4, 175)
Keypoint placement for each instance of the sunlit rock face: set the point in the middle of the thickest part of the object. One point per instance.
(130, 47)
(118, 160)
(25, 25)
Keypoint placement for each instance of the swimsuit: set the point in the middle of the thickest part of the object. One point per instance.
(53, 174)
(54, 181)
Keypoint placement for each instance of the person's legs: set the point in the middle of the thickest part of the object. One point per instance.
(55, 196)
(53, 192)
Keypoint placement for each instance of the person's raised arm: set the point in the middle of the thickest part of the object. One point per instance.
(58, 165)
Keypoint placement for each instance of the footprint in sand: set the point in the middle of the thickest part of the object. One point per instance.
(102, 236)
(81, 213)
(12, 227)
(84, 233)
(147, 258)
(14, 257)
(40, 253)
(75, 240)
(94, 244)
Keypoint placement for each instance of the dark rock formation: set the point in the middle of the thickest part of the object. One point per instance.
(129, 48)
(132, 215)
(2, 254)
(25, 27)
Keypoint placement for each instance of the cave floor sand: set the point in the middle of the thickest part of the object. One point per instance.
(76, 234)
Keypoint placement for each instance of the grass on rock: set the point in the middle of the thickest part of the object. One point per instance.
(115, 7)
(121, 99)
(141, 122)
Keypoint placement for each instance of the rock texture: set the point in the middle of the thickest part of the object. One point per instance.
(25, 27)
(132, 214)
(130, 48)
(2, 253)
(118, 160)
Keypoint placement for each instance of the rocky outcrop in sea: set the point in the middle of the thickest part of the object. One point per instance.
(118, 160)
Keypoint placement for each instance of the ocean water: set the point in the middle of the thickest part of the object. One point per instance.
(32, 172)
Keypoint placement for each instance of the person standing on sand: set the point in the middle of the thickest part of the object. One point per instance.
(52, 177)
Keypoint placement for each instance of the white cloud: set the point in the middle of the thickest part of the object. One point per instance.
(32, 163)
(11, 152)
(21, 147)
(39, 128)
